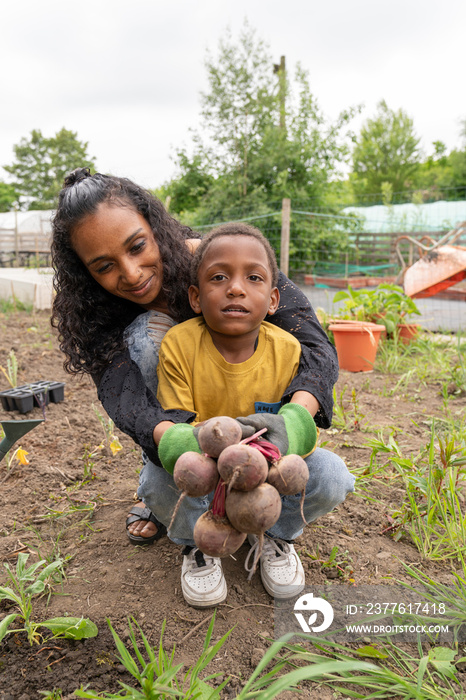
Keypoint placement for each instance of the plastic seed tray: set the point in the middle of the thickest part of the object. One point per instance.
(24, 398)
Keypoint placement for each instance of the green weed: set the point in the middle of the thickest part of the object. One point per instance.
(155, 671)
(340, 562)
(55, 694)
(111, 440)
(9, 306)
(11, 371)
(431, 513)
(26, 583)
(347, 415)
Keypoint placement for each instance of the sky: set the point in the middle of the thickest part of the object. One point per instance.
(126, 76)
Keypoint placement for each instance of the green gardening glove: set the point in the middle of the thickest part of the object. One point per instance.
(292, 429)
(176, 440)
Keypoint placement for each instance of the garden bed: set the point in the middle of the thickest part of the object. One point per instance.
(50, 508)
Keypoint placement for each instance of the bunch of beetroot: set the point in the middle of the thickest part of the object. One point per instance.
(248, 477)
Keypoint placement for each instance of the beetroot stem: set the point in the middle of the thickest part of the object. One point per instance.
(253, 437)
(268, 449)
(218, 501)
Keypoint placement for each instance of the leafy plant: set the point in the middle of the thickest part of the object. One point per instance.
(382, 445)
(387, 304)
(55, 694)
(88, 458)
(26, 584)
(359, 304)
(108, 427)
(336, 561)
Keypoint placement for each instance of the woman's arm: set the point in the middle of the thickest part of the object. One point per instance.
(133, 407)
(318, 369)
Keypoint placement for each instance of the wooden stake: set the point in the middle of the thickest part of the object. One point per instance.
(285, 236)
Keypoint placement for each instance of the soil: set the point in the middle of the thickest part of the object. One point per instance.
(50, 509)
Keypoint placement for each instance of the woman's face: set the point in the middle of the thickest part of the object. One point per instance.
(117, 246)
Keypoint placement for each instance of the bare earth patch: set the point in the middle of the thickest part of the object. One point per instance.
(106, 577)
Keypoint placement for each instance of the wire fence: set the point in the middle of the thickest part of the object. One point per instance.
(343, 245)
(325, 248)
(363, 246)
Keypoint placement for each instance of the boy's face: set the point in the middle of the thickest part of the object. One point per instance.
(235, 291)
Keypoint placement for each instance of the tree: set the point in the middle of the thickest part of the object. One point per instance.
(8, 196)
(442, 175)
(457, 160)
(41, 165)
(261, 138)
(187, 190)
(387, 150)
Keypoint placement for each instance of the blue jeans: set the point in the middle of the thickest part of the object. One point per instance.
(328, 485)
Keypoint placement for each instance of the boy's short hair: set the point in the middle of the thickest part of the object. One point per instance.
(233, 229)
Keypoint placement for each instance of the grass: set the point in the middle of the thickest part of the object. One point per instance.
(452, 597)
(155, 671)
(388, 672)
(157, 676)
(398, 673)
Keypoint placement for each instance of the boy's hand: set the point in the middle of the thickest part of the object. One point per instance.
(292, 430)
(180, 438)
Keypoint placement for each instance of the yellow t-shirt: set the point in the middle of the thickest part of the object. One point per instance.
(194, 376)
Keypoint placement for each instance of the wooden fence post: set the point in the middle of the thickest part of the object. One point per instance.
(16, 239)
(285, 236)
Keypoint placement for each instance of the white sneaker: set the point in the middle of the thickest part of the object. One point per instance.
(202, 581)
(281, 570)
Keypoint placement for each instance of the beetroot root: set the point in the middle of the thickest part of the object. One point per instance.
(218, 433)
(242, 467)
(215, 536)
(253, 511)
(195, 474)
(289, 475)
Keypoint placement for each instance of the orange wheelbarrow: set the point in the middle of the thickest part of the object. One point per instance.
(441, 264)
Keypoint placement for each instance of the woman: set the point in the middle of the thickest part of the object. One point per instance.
(122, 270)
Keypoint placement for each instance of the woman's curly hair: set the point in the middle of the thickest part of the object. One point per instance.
(90, 320)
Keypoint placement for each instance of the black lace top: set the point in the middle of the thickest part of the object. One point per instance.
(136, 411)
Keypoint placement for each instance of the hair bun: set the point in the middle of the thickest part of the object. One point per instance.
(77, 176)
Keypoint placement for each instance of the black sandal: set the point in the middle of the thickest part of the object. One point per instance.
(139, 513)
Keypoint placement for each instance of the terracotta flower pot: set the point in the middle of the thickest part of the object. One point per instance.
(408, 332)
(356, 343)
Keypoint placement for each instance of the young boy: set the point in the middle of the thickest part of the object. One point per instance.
(229, 361)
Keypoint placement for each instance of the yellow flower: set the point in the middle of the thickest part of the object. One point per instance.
(115, 446)
(21, 456)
